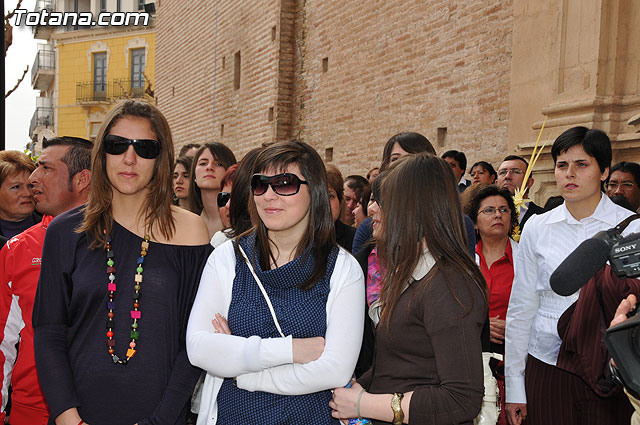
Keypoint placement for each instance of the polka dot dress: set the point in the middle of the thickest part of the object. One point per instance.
(300, 313)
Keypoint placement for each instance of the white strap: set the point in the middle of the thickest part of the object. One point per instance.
(264, 293)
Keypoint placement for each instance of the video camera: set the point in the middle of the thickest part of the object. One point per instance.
(623, 340)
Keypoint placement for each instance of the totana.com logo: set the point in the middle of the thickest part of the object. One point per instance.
(46, 18)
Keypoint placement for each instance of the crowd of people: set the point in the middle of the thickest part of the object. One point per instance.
(138, 286)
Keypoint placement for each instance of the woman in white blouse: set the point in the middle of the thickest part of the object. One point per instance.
(549, 395)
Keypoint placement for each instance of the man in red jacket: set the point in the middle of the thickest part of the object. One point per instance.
(60, 183)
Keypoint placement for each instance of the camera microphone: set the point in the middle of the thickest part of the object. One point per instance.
(580, 266)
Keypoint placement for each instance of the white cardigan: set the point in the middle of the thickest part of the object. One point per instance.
(266, 364)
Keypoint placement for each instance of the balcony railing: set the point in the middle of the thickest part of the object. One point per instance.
(49, 6)
(123, 89)
(90, 92)
(45, 61)
(43, 116)
(112, 91)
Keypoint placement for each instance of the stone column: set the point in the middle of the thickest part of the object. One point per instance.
(574, 63)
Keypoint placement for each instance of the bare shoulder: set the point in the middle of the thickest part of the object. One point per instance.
(190, 228)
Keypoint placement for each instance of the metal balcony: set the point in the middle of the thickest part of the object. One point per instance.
(87, 92)
(43, 32)
(43, 69)
(42, 117)
(124, 89)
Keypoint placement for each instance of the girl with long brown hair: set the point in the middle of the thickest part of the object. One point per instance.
(287, 303)
(428, 364)
(99, 364)
(210, 164)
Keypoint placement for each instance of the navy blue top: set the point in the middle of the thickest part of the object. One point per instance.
(9, 229)
(70, 316)
(301, 313)
(364, 232)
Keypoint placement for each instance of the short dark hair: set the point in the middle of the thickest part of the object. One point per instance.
(595, 143)
(487, 167)
(77, 157)
(516, 158)
(460, 158)
(185, 148)
(493, 190)
(627, 167)
(357, 183)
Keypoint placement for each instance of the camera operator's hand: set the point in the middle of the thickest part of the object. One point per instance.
(623, 309)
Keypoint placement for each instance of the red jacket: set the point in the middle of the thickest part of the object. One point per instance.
(19, 273)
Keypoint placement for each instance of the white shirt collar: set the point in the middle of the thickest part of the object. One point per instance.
(425, 263)
(604, 212)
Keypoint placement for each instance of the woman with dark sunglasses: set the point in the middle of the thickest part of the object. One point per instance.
(118, 278)
(273, 353)
(224, 199)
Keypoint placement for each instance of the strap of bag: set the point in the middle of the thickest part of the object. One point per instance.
(264, 293)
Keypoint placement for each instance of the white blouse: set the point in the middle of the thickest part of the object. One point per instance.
(534, 309)
(266, 364)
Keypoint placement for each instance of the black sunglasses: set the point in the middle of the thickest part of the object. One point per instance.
(145, 148)
(223, 198)
(285, 184)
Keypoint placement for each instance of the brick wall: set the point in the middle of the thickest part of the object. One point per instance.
(341, 75)
(196, 69)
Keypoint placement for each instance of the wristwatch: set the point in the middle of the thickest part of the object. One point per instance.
(396, 406)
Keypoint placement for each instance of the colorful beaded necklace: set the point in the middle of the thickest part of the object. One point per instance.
(135, 313)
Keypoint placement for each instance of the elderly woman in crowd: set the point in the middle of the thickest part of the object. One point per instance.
(16, 199)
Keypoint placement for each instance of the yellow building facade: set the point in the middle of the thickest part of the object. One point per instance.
(82, 72)
(81, 103)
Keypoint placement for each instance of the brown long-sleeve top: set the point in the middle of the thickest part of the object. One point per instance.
(433, 348)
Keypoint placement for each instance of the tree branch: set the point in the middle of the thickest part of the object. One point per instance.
(17, 84)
